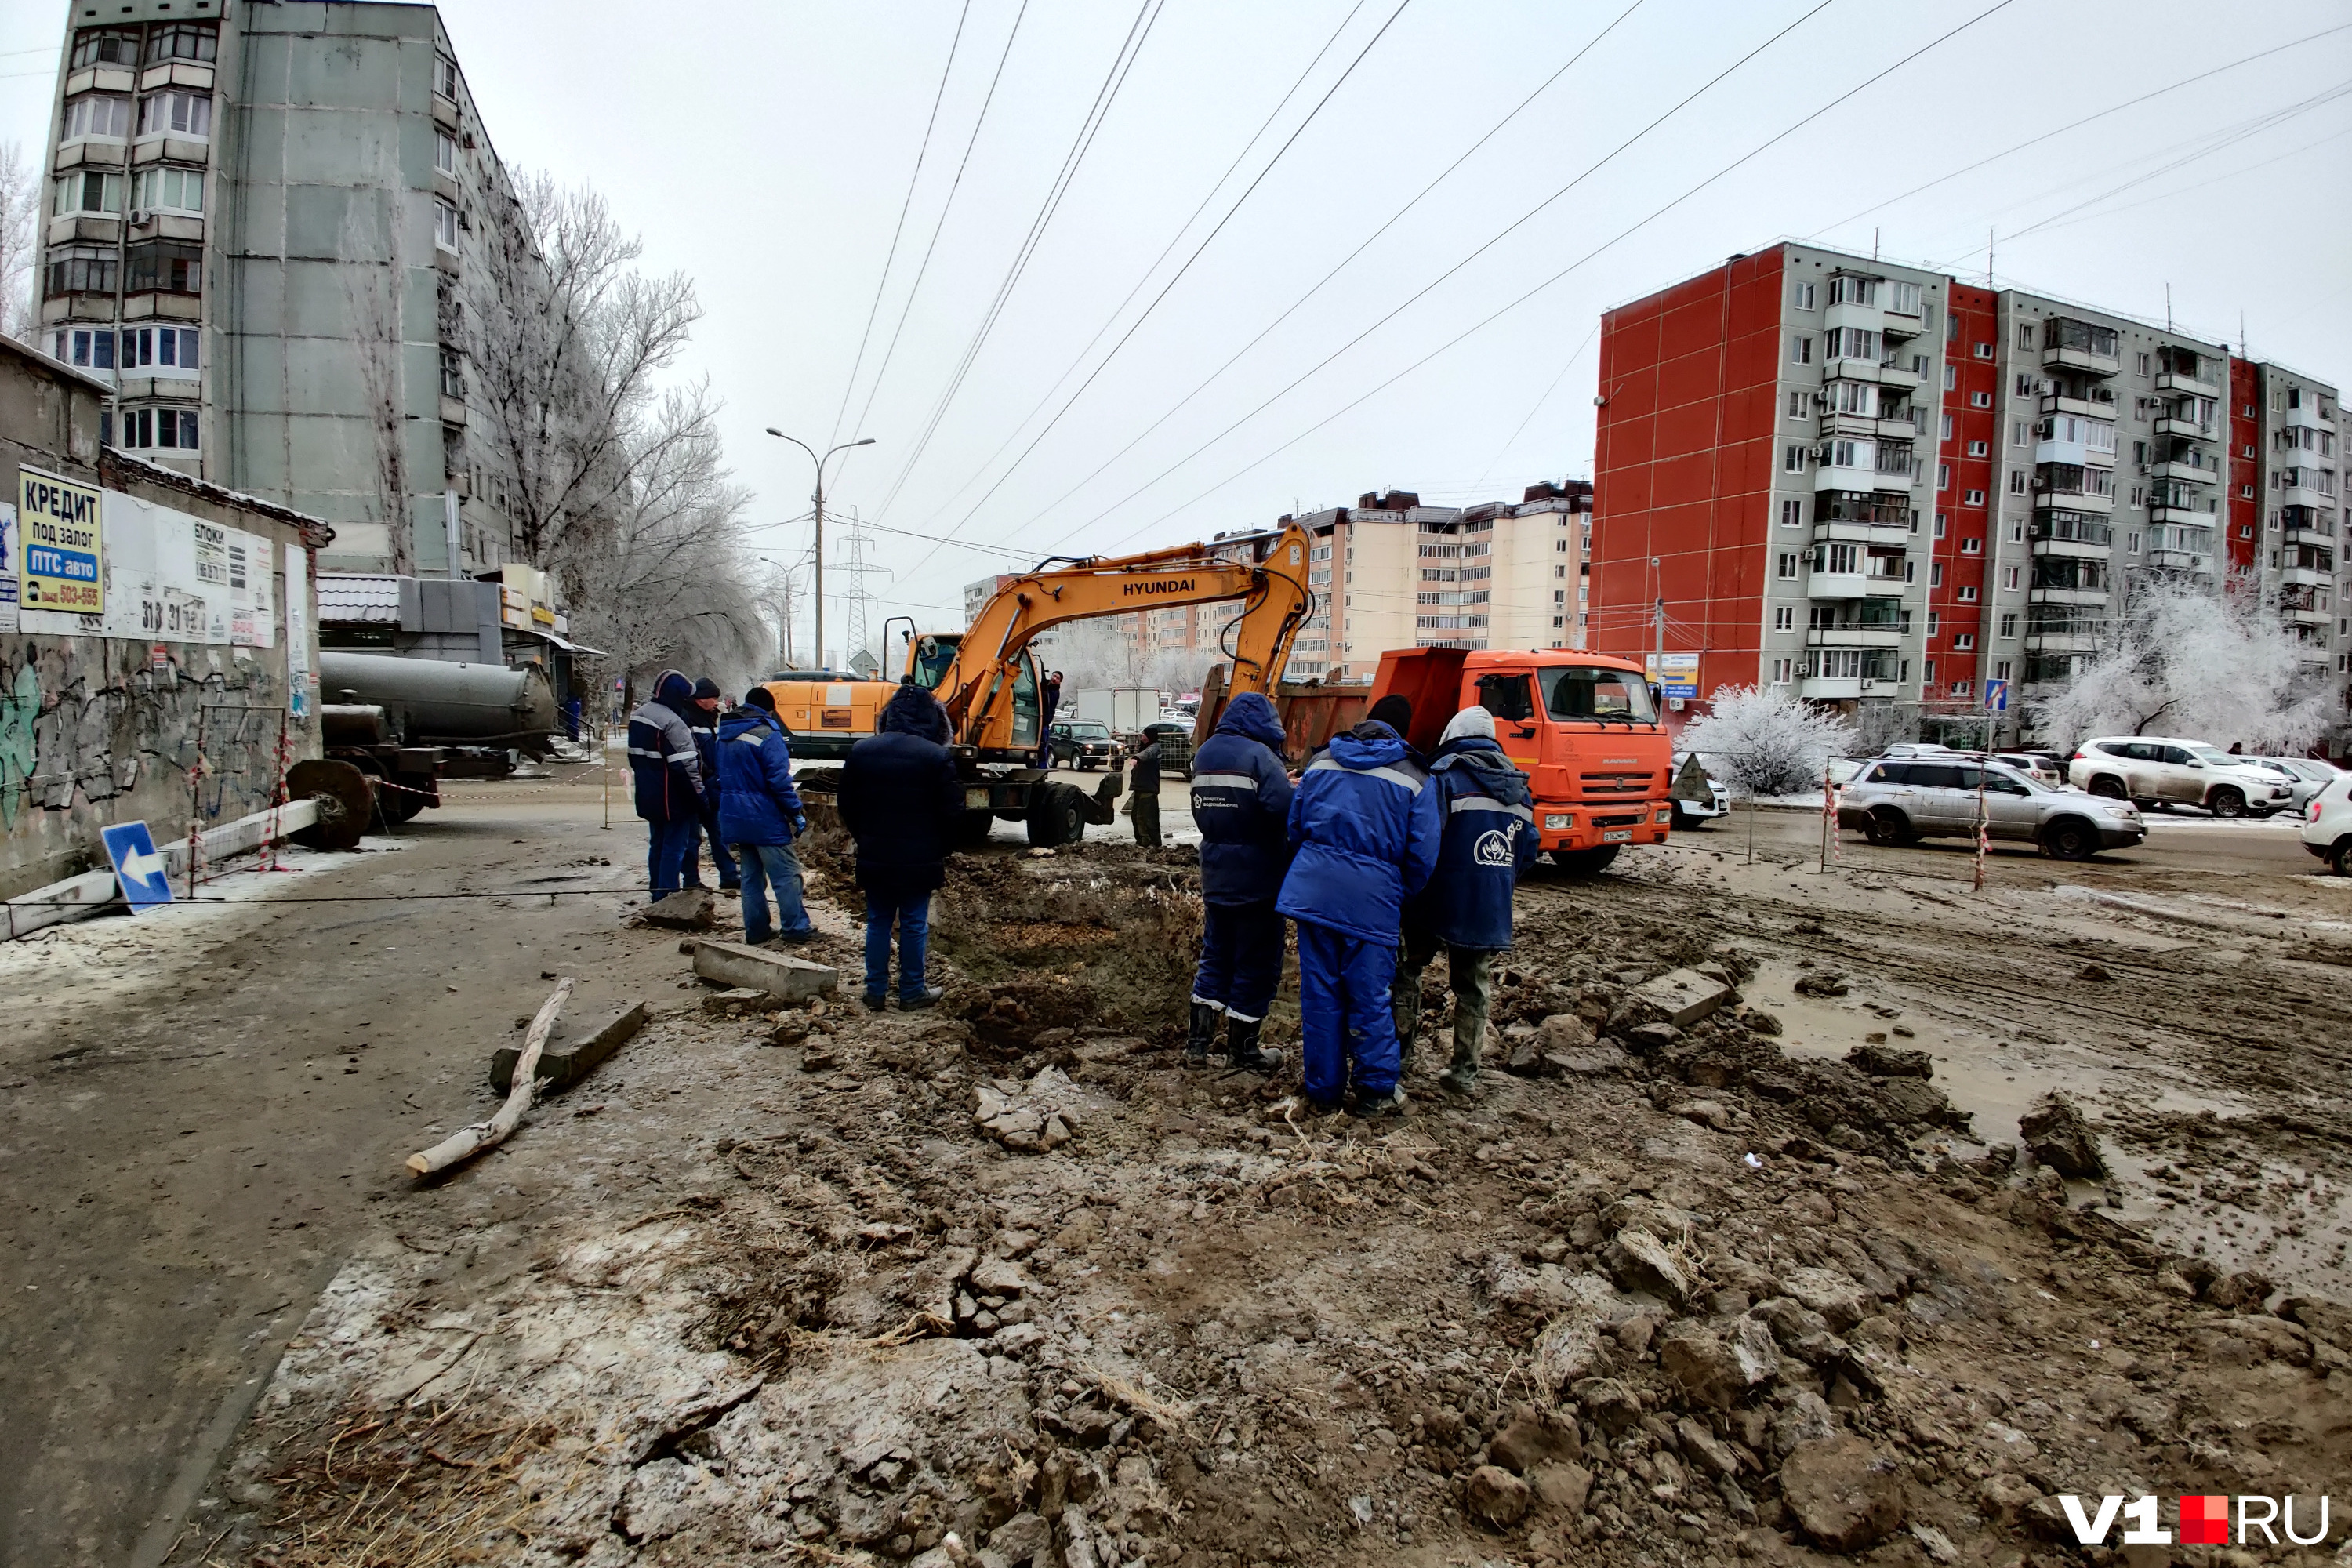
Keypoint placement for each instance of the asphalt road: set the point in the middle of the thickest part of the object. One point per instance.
(2180, 843)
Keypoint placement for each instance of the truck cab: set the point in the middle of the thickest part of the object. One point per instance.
(1583, 726)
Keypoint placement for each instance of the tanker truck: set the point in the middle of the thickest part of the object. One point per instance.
(408, 724)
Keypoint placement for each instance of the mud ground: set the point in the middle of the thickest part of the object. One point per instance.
(764, 1289)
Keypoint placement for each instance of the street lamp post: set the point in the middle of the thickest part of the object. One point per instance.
(820, 462)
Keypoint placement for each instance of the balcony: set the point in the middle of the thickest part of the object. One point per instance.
(2309, 412)
(1855, 636)
(2195, 517)
(1856, 531)
(2186, 383)
(1898, 373)
(2180, 560)
(2076, 346)
(2174, 425)
(2322, 538)
(2097, 596)
(2072, 549)
(2306, 577)
(2196, 473)
(1871, 479)
(2304, 495)
(1830, 688)
(2062, 642)
(2081, 407)
(2301, 616)
(1836, 585)
(2074, 501)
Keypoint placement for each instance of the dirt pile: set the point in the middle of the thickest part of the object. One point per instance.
(1706, 1299)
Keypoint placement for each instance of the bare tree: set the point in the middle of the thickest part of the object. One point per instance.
(372, 292)
(20, 240)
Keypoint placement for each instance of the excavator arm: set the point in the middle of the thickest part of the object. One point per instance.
(977, 688)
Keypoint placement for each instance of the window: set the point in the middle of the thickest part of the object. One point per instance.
(1973, 497)
(1792, 514)
(1792, 459)
(1803, 295)
(1968, 594)
(1979, 448)
(1961, 689)
(444, 152)
(105, 47)
(176, 114)
(2017, 481)
(1936, 578)
(1951, 378)
(87, 191)
(1943, 521)
(1984, 350)
(2025, 385)
(2020, 431)
(1928, 672)
(1851, 397)
(1784, 619)
(2009, 625)
(1785, 567)
(1905, 299)
(2001, 669)
(1850, 343)
(2140, 363)
(187, 41)
(2245, 492)
(81, 269)
(1934, 622)
(453, 374)
(2025, 335)
(445, 77)
(1964, 641)
(1943, 475)
(1801, 351)
(2016, 532)
(1972, 547)
(160, 350)
(1782, 668)
(97, 114)
(171, 427)
(90, 350)
(169, 190)
(2009, 582)
(171, 267)
(2131, 542)
(445, 225)
(1981, 400)
(1947, 427)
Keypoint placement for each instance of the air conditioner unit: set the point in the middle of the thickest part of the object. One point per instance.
(141, 217)
(1818, 454)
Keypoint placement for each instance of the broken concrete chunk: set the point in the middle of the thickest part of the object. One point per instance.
(2059, 1138)
(733, 963)
(688, 909)
(1649, 1039)
(736, 999)
(1718, 1369)
(1844, 1493)
(1890, 1062)
(1680, 997)
(1640, 1261)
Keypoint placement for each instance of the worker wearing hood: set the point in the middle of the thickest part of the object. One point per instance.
(666, 777)
(1364, 830)
(1489, 841)
(1241, 803)
(903, 803)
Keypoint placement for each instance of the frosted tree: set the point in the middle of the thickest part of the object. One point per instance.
(2182, 659)
(1761, 742)
(20, 240)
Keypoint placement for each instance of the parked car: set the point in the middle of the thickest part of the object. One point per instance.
(1699, 797)
(2165, 770)
(2327, 825)
(1900, 800)
(1082, 743)
(1175, 747)
(2305, 775)
(2038, 765)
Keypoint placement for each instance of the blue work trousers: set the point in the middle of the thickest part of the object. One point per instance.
(707, 827)
(1241, 959)
(668, 845)
(763, 865)
(913, 917)
(1347, 1020)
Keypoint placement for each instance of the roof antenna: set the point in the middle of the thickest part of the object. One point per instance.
(1987, 255)
(2167, 304)
(1874, 242)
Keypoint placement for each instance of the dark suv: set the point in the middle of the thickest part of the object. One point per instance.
(1081, 743)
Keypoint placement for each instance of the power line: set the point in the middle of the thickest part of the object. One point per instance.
(953, 186)
(1165, 251)
(2076, 125)
(1393, 219)
(1489, 243)
(1538, 406)
(1130, 49)
(2184, 190)
(1622, 235)
(1137, 325)
(882, 282)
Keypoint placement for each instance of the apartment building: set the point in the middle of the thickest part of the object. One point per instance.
(1870, 483)
(264, 221)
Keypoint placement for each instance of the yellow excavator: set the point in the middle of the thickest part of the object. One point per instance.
(988, 679)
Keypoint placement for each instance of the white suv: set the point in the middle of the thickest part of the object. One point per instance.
(2161, 769)
(2327, 825)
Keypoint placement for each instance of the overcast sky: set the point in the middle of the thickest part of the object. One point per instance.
(767, 150)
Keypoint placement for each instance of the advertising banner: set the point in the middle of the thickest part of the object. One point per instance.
(60, 552)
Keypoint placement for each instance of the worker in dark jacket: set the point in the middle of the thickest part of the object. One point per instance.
(901, 801)
(760, 815)
(1241, 803)
(665, 776)
(1143, 790)
(702, 722)
(1489, 841)
(1364, 830)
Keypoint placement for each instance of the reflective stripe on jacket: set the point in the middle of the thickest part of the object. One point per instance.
(665, 767)
(1489, 839)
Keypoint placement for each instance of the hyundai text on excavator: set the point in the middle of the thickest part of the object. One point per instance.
(1583, 726)
(987, 678)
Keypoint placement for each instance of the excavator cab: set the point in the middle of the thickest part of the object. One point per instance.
(930, 656)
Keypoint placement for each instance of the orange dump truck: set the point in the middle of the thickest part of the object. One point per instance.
(1583, 726)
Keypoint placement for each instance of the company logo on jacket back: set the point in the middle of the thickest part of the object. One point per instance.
(2204, 1520)
(1495, 848)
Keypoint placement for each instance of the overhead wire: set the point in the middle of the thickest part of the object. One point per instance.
(1537, 407)
(1272, 163)
(1508, 229)
(1130, 49)
(1365, 244)
(874, 310)
(1165, 251)
(907, 306)
(2180, 191)
(1588, 257)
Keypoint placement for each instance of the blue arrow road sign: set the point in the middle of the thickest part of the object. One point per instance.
(138, 869)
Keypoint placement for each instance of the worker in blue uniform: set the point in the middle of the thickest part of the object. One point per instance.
(1364, 832)
(1241, 803)
(1489, 842)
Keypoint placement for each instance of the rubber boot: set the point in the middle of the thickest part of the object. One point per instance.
(1462, 1076)
(1248, 1055)
(1203, 1030)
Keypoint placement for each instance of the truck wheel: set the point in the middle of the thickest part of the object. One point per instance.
(972, 831)
(403, 796)
(2070, 839)
(1585, 862)
(1058, 817)
(2226, 801)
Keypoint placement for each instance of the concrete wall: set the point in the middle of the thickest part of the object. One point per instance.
(97, 731)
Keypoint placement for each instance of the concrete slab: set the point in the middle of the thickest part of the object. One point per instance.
(735, 963)
(1679, 996)
(566, 1063)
